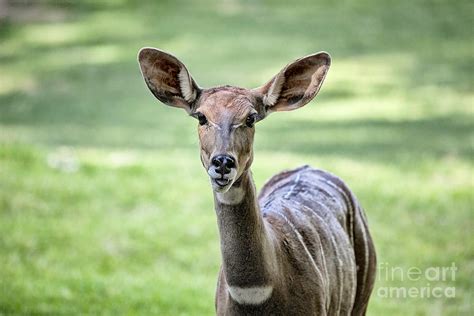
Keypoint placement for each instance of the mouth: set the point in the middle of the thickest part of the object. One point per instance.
(222, 182)
(221, 185)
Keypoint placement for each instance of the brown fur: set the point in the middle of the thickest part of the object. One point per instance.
(305, 236)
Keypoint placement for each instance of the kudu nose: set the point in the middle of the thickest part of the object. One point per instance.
(223, 164)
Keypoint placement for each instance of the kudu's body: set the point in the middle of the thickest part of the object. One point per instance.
(302, 247)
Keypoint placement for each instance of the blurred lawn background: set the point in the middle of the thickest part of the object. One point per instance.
(104, 206)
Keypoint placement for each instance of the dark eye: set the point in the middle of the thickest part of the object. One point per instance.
(251, 119)
(201, 118)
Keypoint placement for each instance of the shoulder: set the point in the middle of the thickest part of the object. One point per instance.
(287, 177)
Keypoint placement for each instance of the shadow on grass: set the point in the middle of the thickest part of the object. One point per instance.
(380, 140)
(119, 122)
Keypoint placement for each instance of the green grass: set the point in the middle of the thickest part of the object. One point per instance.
(104, 206)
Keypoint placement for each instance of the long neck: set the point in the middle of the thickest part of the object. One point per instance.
(247, 252)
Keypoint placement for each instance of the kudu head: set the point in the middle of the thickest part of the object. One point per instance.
(226, 114)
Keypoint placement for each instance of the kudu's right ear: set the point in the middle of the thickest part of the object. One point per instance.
(168, 79)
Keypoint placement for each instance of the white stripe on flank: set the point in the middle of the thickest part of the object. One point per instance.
(339, 265)
(355, 208)
(300, 239)
(366, 256)
(350, 205)
(250, 295)
(289, 193)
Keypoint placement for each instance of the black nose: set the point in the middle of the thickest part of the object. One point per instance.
(223, 163)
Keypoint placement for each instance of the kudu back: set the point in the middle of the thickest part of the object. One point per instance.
(302, 246)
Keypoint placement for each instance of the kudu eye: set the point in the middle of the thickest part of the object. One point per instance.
(201, 118)
(251, 119)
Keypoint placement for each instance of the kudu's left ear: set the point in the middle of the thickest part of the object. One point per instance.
(168, 79)
(296, 84)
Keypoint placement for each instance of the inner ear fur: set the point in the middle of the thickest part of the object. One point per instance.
(296, 84)
(168, 79)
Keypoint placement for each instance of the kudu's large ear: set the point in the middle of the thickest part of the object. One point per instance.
(296, 84)
(168, 79)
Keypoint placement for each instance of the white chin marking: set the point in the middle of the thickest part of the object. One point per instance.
(231, 197)
(250, 295)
